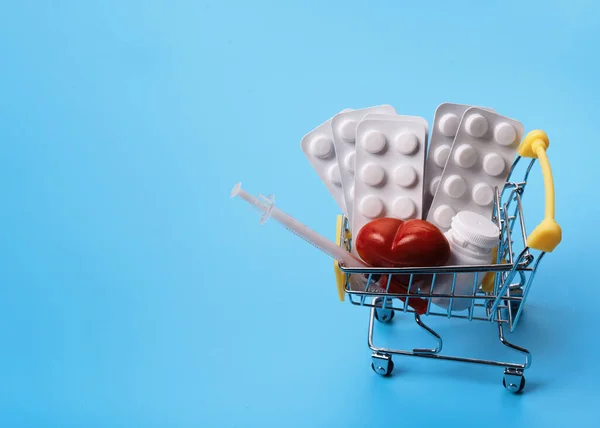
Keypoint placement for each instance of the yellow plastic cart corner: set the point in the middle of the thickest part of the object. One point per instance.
(340, 277)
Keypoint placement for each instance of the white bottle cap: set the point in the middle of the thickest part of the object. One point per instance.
(475, 229)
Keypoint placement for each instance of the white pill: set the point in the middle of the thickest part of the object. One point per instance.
(434, 185)
(371, 206)
(349, 162)
(455, 186)
(493, 164)
(440, 155)
(443, 216)
(405, 175)
(334, 175)
(448, 124)
(374, 142)
(322, 147)
(372, 174)
(407, 143)
(350, 196)
(404, 208)
(483, 194)
(505, 134)
(465, 156)
(347, 131)
(476, 125)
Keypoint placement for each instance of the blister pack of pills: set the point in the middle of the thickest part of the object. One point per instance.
(343, 126)
(446, 119)
(318, 147)
(480, 159)
(390, 159)
(401, 117)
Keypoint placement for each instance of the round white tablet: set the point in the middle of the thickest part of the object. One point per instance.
(505, 134)
(493, 164)
(322, 147)
(374, 142)
(443, 216)
(404, 208)
(407, 143)
(334, 175)
(405, 175)
(455, 186)
(465, 156)
(371, 206)
(448, 124)
(347, 131)
(483, 194)
(440, 155)
(350, 196)
(476, 125)
(349, 162)
(434, 185)
(372, 174)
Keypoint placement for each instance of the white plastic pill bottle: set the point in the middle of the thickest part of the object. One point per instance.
(472, 237)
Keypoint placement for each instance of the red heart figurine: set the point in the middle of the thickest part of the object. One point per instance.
(391, 242)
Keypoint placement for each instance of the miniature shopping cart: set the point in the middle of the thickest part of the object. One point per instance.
(506, 283)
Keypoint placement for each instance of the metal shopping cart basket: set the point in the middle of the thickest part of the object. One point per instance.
(499, 299)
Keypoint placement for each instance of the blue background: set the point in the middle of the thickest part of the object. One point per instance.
(135, 292)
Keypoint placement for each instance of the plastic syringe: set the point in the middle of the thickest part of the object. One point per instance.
(267, 206)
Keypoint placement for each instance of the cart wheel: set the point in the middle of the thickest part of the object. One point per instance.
(514, 383)
(382, 364)
(384, 315)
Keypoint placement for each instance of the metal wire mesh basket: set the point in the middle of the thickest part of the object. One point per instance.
(499, 291)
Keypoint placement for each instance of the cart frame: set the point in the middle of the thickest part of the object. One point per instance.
(501, 297)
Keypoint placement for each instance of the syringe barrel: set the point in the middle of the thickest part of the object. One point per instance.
(318, 240)
(266, 205)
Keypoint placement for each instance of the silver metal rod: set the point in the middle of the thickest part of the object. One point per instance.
(526, 289)
(478, 296)
(512, 168)
(513, 218)
(528, 169)
(445, 357)
(438, 338)
(522, 220)
(389, 282)
(508, 236)
(514, 347)
(477, 305)
(410, 283)
(475, 285)
(438, 314)
(502, 267)
(507, 281)
(369, 279)
(498, 214)
(452, 299)
(431, 291)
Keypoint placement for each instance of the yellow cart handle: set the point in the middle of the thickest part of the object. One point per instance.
(340, 277)
(548, 234)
